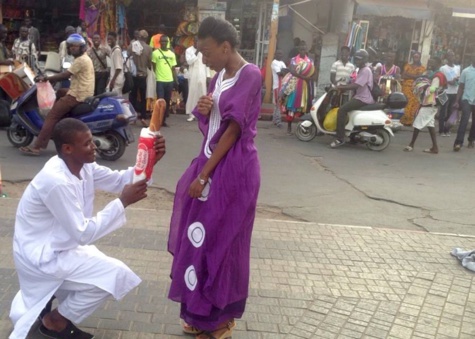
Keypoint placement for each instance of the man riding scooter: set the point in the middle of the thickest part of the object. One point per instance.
(82, 77)
(363, 86)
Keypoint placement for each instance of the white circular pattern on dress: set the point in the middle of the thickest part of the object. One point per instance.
(190, 278)
(196, 234)
(205, 193)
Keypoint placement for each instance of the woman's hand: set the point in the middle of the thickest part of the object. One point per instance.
(205, 104)
(196, 189)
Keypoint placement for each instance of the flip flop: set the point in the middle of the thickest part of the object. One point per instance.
(429, 150)
(29, 151)
(408, 149)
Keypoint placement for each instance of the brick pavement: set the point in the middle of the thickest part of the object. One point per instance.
(307, 281)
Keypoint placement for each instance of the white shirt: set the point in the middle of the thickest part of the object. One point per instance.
(451, 72)
(276, 67)
(197, 74)
(54, 227)
(56, 211)
(342, 72)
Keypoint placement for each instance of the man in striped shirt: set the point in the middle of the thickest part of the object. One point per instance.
(340, 73)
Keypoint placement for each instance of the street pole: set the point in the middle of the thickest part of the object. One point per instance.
(274, 26)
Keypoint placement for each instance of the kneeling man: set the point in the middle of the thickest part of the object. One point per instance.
(54, 230)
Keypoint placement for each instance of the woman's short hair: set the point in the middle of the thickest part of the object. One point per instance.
(219, 30)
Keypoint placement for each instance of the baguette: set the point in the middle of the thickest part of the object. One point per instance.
(158, 114)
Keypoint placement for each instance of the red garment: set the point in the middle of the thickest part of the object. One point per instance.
(156, 41)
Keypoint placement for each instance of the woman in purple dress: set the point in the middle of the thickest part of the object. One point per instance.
(215, 201)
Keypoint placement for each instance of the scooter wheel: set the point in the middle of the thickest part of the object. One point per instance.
(117, 149)
(19, 136)
(386, 141)
(306, 133)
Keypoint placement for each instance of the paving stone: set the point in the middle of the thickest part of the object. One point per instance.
(307, 281)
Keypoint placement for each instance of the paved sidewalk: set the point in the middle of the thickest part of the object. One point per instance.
(307, 281)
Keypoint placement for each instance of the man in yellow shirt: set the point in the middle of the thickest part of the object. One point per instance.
(164, 62)
(82, 77)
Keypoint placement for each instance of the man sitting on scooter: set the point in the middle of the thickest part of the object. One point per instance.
(82, 77)
(363, 86)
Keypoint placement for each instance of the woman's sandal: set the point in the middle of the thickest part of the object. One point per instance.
(189, 329)
(209, 334)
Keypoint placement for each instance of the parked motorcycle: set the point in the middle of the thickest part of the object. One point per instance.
(369, 125)
(106, 115)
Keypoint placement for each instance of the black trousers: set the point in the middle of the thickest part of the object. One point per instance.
(445, 111)
(140, 88)
(101, 82)
(351, 105)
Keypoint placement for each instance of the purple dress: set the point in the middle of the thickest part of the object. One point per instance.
(210, 237)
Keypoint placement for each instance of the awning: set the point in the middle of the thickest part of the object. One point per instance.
(464, 12)
(415, 9)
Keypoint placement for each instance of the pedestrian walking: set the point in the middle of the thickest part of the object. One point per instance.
(279, 69)
(24, 49)
(141, 54)
(164, 62)
(98, 54)
(427, 90)
(33, 33)
(411, 72)
(296, 86)
(452, 73)
(197, 75)
(466, 98)
(215, 201)
(54, 229)
(116, 77)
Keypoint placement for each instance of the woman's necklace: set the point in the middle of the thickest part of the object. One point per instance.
(238, 67)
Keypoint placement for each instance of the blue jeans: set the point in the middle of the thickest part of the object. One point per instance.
(467, 109)
(164, 91)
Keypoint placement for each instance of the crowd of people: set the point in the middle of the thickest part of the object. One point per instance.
(99, 66)
(439, 90)
(212, 219)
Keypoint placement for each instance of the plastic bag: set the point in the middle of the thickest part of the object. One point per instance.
(329, 123)
(46, 96)
(454, 116)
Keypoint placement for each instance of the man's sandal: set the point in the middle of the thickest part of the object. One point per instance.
(189, 329)
(227, 334)
(29, 151)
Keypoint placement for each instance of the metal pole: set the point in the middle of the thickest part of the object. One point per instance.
(274, 26)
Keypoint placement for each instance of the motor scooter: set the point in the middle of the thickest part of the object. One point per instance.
(369, 125)
(389, 84)
(106, 115)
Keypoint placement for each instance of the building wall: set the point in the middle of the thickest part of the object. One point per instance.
(317, 12)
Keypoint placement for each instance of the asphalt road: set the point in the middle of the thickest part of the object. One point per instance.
(309, 181)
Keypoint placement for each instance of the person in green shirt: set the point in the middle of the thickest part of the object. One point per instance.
(163, 63)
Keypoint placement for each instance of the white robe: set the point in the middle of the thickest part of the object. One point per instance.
(54, 228)
(197, 74)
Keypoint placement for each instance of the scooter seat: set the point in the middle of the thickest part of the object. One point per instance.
(81, 109)
(373, 107)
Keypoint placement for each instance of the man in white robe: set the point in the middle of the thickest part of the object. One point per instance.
(54, 229)
(197, 75)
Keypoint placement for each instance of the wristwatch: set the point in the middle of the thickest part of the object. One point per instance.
(202, 181)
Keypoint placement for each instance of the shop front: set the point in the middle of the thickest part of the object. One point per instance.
(400, 26)
(453, 27)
